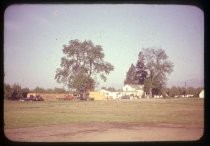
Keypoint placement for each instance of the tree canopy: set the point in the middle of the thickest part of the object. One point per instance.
(141, 73)
(151, 69)
(137, 74)
(82, 64)
(15, 92)
(158, 66)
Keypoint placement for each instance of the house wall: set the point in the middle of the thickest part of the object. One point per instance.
(128, 90)
(106, 95)
(201, 95)
(97, 95)
(31, 94)
(114, 95)
(138, 93)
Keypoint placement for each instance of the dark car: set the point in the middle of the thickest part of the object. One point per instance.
(125, 97)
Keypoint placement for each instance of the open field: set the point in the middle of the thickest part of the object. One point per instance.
(139, 120)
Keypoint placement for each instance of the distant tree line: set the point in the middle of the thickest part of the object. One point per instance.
(16, 92)
(179, 91)
(55, 90)
(170, 92)
(109, 89)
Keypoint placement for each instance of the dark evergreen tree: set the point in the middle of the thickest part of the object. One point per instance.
(130, 75)
(7, 91)
(141, 72)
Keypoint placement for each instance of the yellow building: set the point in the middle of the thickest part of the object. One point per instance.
(98, 95)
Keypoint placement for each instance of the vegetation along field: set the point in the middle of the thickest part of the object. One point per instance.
(173, 119)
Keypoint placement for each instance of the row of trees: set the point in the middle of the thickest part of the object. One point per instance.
(178, 91)
(83, 63)
(150, 70)
(16, 92)
(170, 92)
(55, 90)
(109, 88)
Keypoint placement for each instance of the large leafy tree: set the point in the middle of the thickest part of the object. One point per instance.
(158, 66)
(82, 64)
(7, 91)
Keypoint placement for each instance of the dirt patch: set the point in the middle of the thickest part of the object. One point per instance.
(99, 131)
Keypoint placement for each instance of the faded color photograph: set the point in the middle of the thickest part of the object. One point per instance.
(103, 72)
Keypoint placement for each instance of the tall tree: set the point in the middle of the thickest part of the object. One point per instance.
(174, 91)
(158, 66)
(24, 92)
(130, 75)
(58, 90)
(140, 73)
(7, 91)
(82, 63)
(39, 90)
(16, 93)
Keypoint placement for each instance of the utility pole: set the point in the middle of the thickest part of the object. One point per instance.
(185, 88)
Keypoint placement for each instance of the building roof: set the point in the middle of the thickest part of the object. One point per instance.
(137, 87)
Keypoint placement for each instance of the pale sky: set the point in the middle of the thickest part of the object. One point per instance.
(34, 36)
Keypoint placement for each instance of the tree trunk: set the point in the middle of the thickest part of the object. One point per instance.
(150, 93)
(84, 95)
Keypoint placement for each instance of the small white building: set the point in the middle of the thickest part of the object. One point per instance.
(135, 90)
(189, 95)
(133, 87)
(158, 96)
(114, 95)
(104, 92)
(31, 94)
(201, 95)
(110, 94)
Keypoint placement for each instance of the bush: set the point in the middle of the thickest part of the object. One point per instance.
(7, 91)
(15, 92)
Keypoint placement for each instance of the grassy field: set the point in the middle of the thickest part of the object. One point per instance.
(148, 111)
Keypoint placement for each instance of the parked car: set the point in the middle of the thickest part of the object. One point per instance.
(125, 97)
(33, 98)
(38, 98)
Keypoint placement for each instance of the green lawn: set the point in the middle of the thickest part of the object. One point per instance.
(173, 111)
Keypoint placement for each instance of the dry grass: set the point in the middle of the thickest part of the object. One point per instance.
(148, 111)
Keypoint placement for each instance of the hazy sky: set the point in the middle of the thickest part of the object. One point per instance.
(34, 36)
